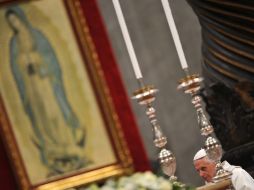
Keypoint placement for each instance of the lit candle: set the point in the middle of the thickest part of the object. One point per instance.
(127, 39)
(175, 35)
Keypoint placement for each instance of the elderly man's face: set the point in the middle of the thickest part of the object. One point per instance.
(205, 168)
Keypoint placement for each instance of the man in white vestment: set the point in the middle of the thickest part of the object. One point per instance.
(206, 168)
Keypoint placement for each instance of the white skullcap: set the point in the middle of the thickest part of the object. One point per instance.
(200, 154)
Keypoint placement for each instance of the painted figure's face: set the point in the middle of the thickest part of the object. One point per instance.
(14, 21)
(205, 168)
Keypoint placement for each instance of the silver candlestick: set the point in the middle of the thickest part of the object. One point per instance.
(145, 95)
(191, 84)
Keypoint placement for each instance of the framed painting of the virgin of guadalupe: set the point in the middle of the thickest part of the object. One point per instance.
(61, 120)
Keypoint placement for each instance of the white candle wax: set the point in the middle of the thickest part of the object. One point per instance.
(127, 39)
(174, 32)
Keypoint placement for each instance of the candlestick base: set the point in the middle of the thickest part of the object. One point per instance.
(168, 162)
(221, 174)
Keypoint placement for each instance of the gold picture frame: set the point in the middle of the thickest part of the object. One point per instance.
(75, 81)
